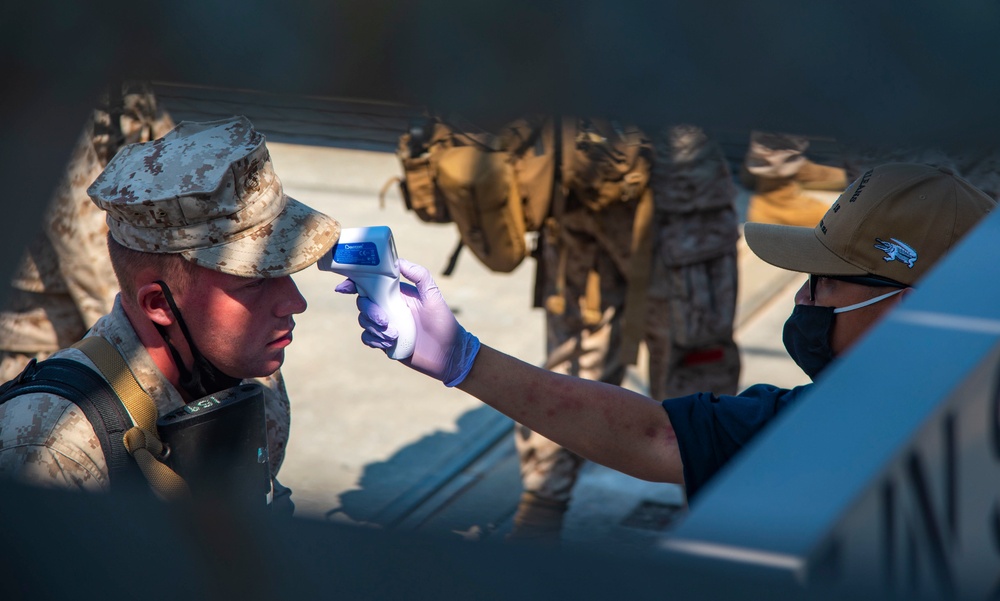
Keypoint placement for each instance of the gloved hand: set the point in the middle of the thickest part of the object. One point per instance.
(442, 348)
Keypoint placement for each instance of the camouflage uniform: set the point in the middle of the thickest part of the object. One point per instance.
(230, 215)
(691, 301)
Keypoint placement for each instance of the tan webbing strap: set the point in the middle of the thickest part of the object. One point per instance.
(640, 266)
(590, 304)
(556, 303)
(385, 190)
(142, 440)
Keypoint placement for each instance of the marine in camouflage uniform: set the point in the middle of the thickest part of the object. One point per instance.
(691, 305)
(166, 207)
(65, 281)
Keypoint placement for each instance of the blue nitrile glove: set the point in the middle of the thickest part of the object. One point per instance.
(442, 348)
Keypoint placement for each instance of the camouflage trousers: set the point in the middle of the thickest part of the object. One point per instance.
(690, 306)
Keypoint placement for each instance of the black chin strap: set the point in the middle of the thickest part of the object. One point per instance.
(203, 378)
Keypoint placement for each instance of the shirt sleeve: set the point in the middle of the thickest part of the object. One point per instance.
(711, 429)
(45, 440)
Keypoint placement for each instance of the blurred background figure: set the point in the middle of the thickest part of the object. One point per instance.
(64, 282)
(690, 284)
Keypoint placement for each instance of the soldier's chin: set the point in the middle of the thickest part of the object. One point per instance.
(272, 365)
(261, 369)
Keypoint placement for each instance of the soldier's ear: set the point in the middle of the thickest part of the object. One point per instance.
(153, 303)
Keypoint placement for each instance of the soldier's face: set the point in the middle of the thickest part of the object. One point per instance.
(242, 325)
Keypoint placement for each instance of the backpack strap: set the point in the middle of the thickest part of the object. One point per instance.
(83, 387)
(449, 268)
(141, 440)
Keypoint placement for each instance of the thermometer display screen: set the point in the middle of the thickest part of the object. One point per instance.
(356, 253)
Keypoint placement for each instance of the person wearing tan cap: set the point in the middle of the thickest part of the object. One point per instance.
(863, 258)
(203, 241)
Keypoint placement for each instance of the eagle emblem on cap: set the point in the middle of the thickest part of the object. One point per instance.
(897, 251)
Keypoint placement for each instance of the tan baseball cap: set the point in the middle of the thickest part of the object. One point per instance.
(894, 222)
(208, 192)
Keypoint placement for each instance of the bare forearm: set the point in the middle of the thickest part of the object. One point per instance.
(606, 424)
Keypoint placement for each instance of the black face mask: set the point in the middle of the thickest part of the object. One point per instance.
(204, 378)
(807, 338)
(808, 330)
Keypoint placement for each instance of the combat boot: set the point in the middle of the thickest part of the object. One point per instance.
(538, 521)
(781, 201)
(811, 176)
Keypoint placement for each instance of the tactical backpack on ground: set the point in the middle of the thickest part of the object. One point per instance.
(498, 187)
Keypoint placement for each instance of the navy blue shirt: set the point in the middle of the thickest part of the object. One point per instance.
(711, 429)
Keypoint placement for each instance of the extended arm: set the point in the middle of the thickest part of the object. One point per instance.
(607, 424)
(604, 423)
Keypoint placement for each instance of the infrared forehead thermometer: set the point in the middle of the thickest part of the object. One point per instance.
(367, 255)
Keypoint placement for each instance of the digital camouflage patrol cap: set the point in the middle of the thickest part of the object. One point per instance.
(895, 222)
(208, 192)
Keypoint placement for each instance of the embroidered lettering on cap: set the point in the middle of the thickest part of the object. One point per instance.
(897, 251)
(862, 184)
